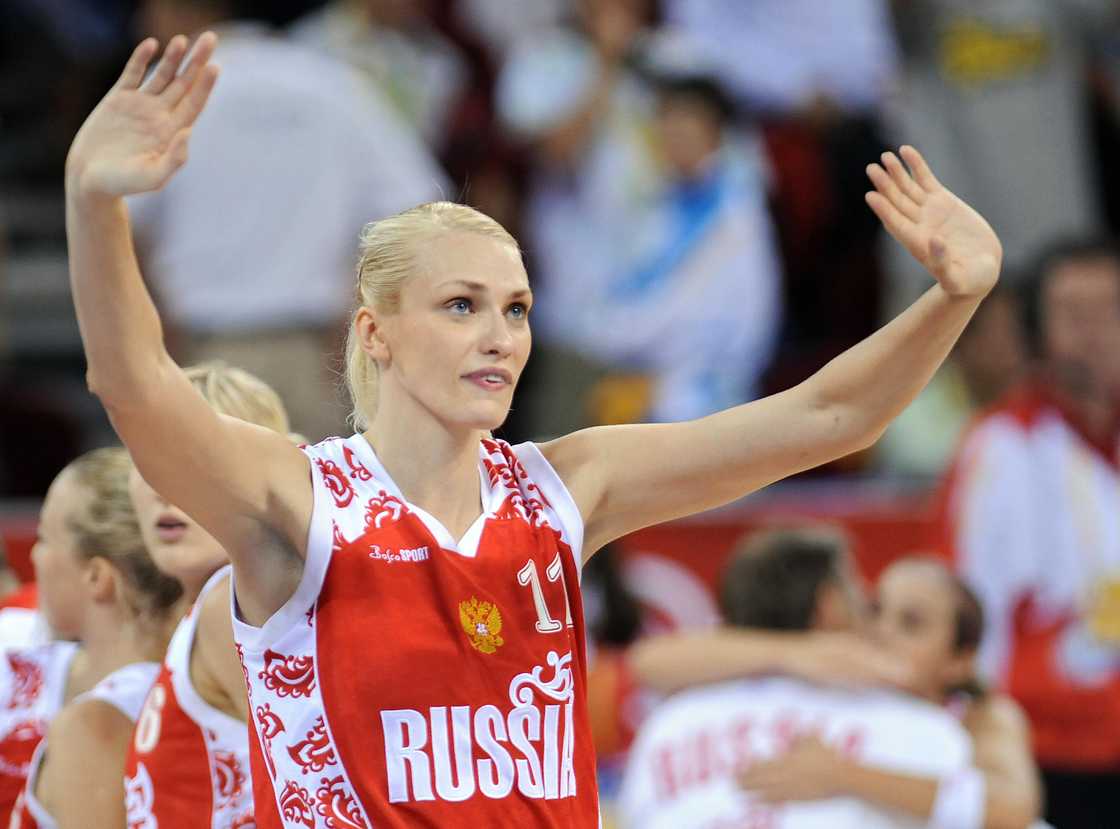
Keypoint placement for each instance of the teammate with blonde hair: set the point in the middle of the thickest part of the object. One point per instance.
(99, 588)
(188, 764)
(407, 599)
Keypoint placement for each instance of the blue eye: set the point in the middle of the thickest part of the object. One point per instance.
(460, 306)
(519, 310)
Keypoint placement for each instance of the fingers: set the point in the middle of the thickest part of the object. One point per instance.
(888, 186)
(922, 172)
(176, 155)
(902, 178)
(195, 100)
(200, 53)
(137, 64)
(896, 223)
(167, 66)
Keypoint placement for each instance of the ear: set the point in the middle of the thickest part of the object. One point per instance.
(368, 325)
(100, 578)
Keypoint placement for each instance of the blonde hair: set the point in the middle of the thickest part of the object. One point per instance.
(235, 392)
(104, 525)
(387, 257)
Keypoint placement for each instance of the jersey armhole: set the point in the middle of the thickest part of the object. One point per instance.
(543, 475)
(296, 608)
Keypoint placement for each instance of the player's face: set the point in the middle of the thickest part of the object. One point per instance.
(177, 545)
(460, 339)
(58, 566)
(915, 618)
(1082, 323)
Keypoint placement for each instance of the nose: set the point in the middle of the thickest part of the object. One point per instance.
(498, 338)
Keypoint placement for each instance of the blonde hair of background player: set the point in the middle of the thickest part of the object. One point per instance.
(387, 258)
(98, 585)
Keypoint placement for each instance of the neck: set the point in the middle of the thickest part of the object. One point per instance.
(435, 467)
(116, 638)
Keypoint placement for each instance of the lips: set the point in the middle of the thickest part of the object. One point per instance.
(171, 528)
(490, 379)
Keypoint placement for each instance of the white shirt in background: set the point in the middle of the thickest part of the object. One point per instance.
(682, 769)
(292, 156)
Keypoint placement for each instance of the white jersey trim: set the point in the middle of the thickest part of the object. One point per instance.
(178, 660)
(311, 581)
(125, 689)
(543, 474)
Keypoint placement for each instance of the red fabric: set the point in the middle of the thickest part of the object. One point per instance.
(25, 597)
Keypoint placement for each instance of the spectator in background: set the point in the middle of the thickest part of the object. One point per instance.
(684, 765)
(394, 46)
(989, 358)
(255, 267)
(786, 56)
(996, 91)
(1030, 516)
(676, 278)
(694, 302)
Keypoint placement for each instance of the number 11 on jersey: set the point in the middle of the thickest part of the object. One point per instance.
(527, 577)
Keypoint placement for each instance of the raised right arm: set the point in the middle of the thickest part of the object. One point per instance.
(247, 485)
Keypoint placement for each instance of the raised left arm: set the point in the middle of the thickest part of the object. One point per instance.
(627, 477)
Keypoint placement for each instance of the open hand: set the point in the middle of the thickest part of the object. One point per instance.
(136, 138)
(809, 770)
(949, 238)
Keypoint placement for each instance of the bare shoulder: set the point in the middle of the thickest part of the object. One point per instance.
(215, 667)
(215, 625)
(87, 723)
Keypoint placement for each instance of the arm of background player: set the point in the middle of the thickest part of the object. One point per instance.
(812, 770)
(80, 780)
(675, 661)
(627, 477)
(247, 485)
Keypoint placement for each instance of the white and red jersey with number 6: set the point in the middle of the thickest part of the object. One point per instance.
(188, 765)
(416, 680)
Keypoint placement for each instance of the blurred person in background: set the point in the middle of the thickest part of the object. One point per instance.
(678, 299)
(786, 56)
(188, 763)
(100, 589)
(683, 769)
(928, 619)
(255, 267)
(393, 44)
(990, 357)
(1029, 516)
(998, 93)
(572, 95)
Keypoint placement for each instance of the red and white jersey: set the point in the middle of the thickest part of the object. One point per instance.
(683, 767)
(1031, 517)
(188, 765)
(416, 680)
(22, 627)
(125, 689)
(32, 689)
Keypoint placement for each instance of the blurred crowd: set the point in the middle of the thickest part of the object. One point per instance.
(685, 176)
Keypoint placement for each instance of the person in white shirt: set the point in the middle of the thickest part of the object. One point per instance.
(250, 251)
(685, 765)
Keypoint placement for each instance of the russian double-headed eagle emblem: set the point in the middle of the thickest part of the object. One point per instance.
(482, 622)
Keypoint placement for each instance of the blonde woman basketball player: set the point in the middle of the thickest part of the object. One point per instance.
(407, 605)
(98, 587)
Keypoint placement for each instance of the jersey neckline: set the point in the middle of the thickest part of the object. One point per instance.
(467, 546)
